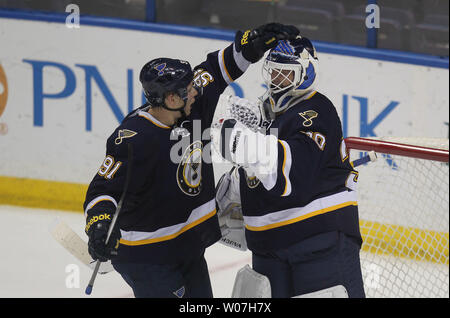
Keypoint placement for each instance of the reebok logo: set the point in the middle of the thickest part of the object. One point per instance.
(97, 218)
(244, 39)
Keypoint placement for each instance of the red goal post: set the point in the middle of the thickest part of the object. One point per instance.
(406, 150)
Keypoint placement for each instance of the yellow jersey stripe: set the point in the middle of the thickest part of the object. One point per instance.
(286, 168)
(152, 120)
(171, 236)
(301, 218)
(224, 67)
(282, 169)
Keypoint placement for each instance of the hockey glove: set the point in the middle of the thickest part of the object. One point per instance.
(255, 152)
(97, 230)
(242, 146)
(254, 43)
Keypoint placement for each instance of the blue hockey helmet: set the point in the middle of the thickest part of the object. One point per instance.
(164, 75)
(290, 71)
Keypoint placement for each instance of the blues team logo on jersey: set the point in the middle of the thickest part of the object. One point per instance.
(308, 116)
(252, 182)
(189, 172)
(180, 292)
(124, 133)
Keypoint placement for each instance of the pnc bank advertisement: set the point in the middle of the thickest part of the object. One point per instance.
(63, 90)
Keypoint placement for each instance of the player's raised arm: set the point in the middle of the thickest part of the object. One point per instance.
(224, 66)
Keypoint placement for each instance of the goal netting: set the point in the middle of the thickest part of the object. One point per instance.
(403, 200)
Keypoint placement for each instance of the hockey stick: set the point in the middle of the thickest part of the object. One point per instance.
(371, 156)
(75, 245)
(114, 219)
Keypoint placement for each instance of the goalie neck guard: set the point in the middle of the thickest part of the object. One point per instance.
(289, 71)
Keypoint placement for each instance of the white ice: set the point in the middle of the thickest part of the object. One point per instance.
(34, 265)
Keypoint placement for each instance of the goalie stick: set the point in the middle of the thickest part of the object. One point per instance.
(114, 219)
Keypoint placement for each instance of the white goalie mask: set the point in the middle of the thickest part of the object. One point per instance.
(289, 71)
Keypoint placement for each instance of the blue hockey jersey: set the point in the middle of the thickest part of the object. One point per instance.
(314, 181)
(169, 211)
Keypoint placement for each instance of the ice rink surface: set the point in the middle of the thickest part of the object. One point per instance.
(34, 265)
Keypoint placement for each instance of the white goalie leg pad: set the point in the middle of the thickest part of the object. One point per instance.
(227, 192)
(250, 284)
(337, 291)
(235, 238)
(232, 229)
(230, 216)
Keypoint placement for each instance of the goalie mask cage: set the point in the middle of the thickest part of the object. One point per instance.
(404, 210)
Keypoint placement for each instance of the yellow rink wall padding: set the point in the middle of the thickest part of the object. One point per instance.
(42, 194)
(379, 238)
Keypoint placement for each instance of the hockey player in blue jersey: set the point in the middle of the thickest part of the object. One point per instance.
(168, 217)
(295, 185)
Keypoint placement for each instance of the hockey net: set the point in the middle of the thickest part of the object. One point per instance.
(404, 212)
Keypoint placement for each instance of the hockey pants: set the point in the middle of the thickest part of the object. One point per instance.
(189, 279)
(316, 263)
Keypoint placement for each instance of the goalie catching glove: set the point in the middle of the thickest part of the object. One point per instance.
(230, 214)
(254, 43)
(97, 230)
(256, 152)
